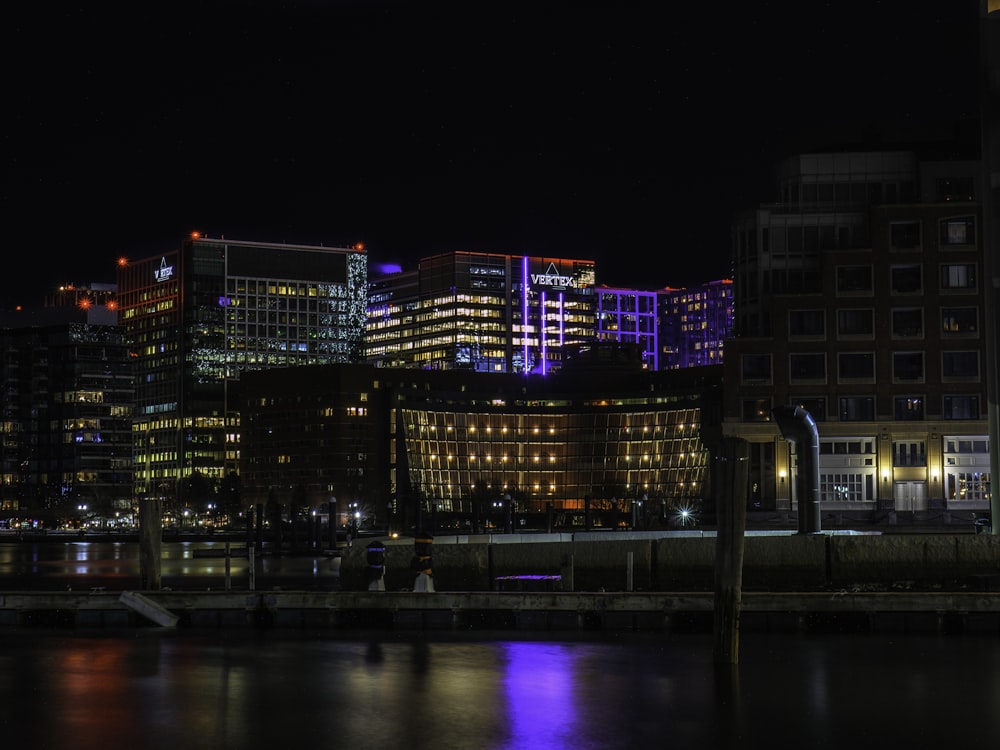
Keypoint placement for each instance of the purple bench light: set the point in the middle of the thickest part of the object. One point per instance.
(526, 582)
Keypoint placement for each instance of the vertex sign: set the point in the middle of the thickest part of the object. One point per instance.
(552, 278)
(164, 272)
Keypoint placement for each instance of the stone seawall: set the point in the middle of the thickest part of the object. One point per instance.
(634, 561)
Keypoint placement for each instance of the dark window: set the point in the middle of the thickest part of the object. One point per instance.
(909, 454)
(954, 189)
(904, 235)
(905, 279)
(811, 239)
(960, 364)
(854, 279)
(907, 408)
(857, 409)
(807, 366)
(908, 322)
(806, 323)
(856, 365)
(908, 366)
(757, 410)
(860, 322)
(827, 238)
(756, 368)
(961, 407)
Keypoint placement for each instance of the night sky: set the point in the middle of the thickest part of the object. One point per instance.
(626, 133)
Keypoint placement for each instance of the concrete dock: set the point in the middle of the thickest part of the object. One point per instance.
(898, 611)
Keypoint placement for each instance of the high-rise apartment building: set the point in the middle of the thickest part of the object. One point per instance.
(66, 394)
(484, 312)
(695, 323)
(199, 316)
(823, 207)
(860, 298)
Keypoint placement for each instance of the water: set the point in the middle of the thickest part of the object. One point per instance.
(274, 689)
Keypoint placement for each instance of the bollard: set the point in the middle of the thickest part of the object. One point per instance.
(422, 564)
(376, 566)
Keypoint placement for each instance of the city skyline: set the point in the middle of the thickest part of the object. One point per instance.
(600, 132)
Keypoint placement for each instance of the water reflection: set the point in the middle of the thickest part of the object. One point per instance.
(538, 689)
(266, 689)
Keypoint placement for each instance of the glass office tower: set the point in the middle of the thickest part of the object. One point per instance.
(484, 312)
(198, 317)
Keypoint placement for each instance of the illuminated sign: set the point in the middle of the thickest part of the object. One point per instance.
(552, 278)
(164, 272)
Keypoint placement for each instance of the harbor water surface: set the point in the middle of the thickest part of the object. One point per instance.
(257, 690)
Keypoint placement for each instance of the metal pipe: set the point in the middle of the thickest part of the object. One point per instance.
(797, 426)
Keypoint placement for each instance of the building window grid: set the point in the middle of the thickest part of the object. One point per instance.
(650, 456)
(842, 487)
(966, 468)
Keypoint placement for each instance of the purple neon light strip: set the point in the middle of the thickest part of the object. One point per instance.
(562, 319)
(524, 321)
(543, 323)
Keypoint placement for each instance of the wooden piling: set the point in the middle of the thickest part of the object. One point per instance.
(733, 467)
(150, 542)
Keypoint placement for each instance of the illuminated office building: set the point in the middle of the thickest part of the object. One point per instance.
(483, 312)
(629, 316)
(200, 316)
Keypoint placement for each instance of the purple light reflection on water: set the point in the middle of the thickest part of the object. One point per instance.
(538, 684)
(289, 688)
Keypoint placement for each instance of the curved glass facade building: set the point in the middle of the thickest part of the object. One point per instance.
(601, 433)
(558, 450)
